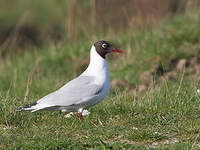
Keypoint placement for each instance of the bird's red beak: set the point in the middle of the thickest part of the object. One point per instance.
(117, 50)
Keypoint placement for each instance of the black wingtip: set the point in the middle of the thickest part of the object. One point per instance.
(23, 108)
(19, 108)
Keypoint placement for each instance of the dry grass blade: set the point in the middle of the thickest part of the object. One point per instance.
(29, 81)
(181, 81)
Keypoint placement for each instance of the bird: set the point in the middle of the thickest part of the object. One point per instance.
(83, 92)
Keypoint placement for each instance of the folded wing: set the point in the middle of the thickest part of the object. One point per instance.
(77, 91)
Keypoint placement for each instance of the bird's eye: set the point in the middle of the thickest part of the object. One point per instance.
(104, 45)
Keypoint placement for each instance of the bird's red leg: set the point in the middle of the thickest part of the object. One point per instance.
(80, 115)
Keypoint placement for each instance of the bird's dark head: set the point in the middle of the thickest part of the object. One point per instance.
(103, 47)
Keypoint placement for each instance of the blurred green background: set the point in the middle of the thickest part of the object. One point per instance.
(35, 23)
(154, 97)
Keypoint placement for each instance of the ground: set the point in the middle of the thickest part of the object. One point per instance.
(153, 102)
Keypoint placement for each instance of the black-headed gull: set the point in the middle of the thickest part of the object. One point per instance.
(86, 90)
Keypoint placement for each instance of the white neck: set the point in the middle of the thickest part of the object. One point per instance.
(98, 66)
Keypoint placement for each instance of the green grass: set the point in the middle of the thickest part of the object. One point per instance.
(122, 120)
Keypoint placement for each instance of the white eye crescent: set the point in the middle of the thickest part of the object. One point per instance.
(104, 45)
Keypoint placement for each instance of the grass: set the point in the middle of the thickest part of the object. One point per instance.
(164, 119)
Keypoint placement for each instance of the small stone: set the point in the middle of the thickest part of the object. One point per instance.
(85, 112)
(69, 115)
(134, 128)
(157, 133)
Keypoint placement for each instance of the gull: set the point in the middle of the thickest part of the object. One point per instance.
(87, 90)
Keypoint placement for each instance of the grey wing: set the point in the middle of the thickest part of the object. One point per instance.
(76, 91)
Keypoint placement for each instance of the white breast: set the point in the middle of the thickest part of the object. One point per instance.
(98, 68)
